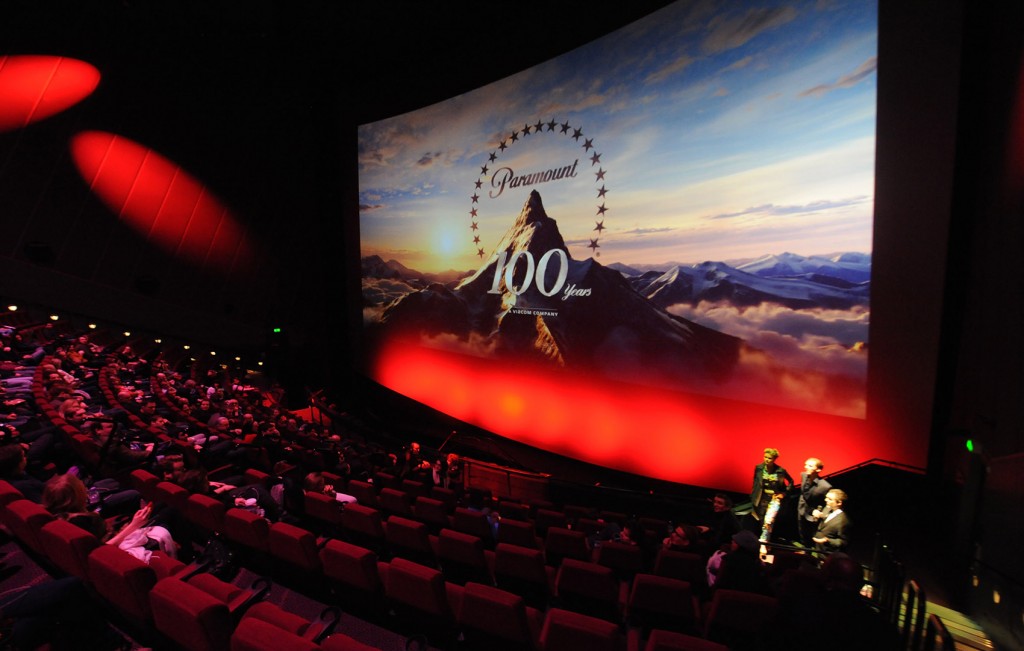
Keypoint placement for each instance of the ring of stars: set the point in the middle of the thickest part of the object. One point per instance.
(553, 126)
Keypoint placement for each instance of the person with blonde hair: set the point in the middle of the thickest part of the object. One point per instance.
(66, 497)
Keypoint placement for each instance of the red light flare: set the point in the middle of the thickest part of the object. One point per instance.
(34, 87)
(161, 201)
(683, 438)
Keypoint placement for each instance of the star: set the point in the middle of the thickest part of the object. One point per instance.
(595, 159)
(475, 226)
(479, 183)
(515, 136)
(601, 192)
(502, 146)
(526, 129)
(577, 133)
(540, 125)
(480, 252)
(476, 239)
(588, 143)
(565, 127)
(601, 209)
(472, 213)
(475, 197)
(599, 174)
(593, 245)
(493, 157)
(600, 226)
(552, 125)
(483, 170)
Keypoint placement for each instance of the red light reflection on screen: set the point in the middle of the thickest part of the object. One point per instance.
(34, 87)
(682, 438)
(160, 200)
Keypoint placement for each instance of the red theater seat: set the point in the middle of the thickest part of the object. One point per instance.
(354, 575)
(565, 630)
(462, 558)
(409, 539)
(737, 618)
(363, 526)
(522, 571)
(561, 543)
(295, 547)
(189, 616)
(590, 589)
(422, 601)
(25, 519)
(68, 546)
(395, 502)
(245, 528)
(490, 618)
(671, 641)
(658, 602)
(123, 580)
(431, 512)
(516, 532)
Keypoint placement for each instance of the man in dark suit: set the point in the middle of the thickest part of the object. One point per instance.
(833, 532)
(812, 496)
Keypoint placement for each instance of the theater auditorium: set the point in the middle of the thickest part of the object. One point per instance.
(554, 326)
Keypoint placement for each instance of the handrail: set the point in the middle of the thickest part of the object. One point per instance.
(881, 462)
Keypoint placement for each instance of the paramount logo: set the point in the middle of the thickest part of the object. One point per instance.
(505, 176)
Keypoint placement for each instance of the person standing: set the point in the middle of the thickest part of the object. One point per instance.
(833, 533)
(771, 481)
(813, 489)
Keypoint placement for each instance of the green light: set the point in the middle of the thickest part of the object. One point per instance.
(277, 330)
(970, 445)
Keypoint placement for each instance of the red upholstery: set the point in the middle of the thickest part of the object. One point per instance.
(363, 526)
(494, 619)
(661, 602)
(364, 492)
(521, 570)
(171, 494)
(246, 528)
(568, 631)
(561, 543)
(9, 493)
(323, 508)
(472, 522)
(254, 634)
(145, 482)
(431, 512)
(68, 546)
(409, 539)
(589, 588)
(736, 618)
(671, 641)
(189, 616)
(25, 519)
(462, 557)
(623, 559)
(123, 580)
(295, 546)
(519, 533)
(395, 502)
(205, 512)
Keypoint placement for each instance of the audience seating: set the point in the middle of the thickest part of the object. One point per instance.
(658, 602)
(561, 543)
(432, 513)
(590, 589)
(522, 570)
(409, 539)
(490, 618)
(353, 572)
(363, 526)
(462, 558)
(565, 630)
(737, 618)
(515, 532)
(67, 547)
(422, 601)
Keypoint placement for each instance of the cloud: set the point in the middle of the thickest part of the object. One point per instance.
(771, 210)
(370, 207)
(672, 68)
(809, 339)
(731, 32)
(863, 71)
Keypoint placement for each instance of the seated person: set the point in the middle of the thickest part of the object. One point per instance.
(65, 496)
